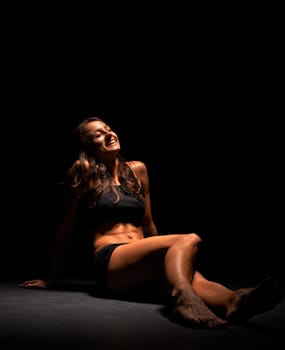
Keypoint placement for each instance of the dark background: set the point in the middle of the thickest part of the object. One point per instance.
(201, 106)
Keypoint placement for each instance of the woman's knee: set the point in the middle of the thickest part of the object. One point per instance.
(190, 239)
(194, 238)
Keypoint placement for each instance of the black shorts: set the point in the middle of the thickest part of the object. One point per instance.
(100, 267)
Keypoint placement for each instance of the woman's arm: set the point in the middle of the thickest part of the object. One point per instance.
(63, 233)
(140, 171)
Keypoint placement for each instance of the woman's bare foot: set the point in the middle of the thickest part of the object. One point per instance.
(190, 310)
(248, 302)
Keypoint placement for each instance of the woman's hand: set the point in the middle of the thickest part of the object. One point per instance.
(34, 284)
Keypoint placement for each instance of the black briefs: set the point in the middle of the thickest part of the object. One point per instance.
(100, 267)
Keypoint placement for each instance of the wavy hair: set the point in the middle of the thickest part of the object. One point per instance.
(90, 177)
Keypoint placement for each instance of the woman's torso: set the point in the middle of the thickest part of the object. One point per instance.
(116, 222)
(117, 233)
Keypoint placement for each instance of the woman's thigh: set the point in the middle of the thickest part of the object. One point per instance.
(140, 263)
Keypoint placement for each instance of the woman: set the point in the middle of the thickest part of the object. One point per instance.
(129, 254)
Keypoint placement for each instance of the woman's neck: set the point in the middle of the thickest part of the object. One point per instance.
(112, 167)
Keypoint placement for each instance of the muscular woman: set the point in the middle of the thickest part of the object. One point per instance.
(129, 253)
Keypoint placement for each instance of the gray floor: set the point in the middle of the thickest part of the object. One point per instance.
(74, 317)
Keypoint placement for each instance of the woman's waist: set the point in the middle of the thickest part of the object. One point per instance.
(119, 233)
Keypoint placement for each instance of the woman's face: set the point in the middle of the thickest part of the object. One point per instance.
(102, 140)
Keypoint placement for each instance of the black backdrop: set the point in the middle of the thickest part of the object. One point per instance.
(207, 123)
(214, 168)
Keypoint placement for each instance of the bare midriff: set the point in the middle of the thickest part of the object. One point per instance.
(116, 233)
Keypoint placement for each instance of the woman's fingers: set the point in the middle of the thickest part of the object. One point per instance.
(33, 284)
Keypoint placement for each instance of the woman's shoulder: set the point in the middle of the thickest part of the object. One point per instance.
(140, 171)
(137, 166)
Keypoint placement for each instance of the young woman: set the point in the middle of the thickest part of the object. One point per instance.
(129, 254)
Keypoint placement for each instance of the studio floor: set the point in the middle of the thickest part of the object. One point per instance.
(74, 318)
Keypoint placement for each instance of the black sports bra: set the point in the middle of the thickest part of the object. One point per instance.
(128, 210)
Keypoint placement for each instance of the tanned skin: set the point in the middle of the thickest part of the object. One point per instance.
(148, 256)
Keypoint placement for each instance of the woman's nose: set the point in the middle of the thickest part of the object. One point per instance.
(109, 135)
